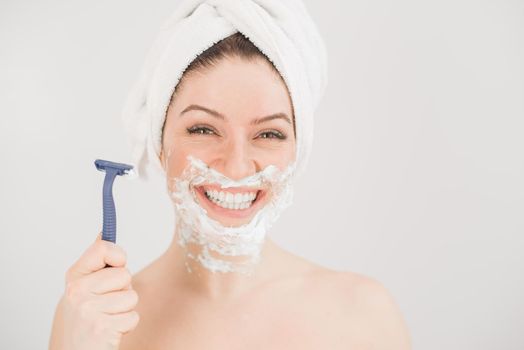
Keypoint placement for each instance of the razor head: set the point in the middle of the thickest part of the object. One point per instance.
(119, 168)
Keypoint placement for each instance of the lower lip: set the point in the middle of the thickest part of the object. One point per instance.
(232, 213)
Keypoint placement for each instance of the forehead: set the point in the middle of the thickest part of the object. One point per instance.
(236, 87)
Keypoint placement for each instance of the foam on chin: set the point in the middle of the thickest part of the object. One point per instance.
(220, 244)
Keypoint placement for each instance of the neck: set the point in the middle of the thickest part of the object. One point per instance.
(210, 284)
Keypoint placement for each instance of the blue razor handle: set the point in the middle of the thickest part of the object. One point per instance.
(111, 169)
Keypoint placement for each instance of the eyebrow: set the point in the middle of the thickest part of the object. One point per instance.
(221, 116)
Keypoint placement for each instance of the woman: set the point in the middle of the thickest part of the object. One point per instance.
(228, 145)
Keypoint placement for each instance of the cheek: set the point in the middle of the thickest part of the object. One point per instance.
(175, 164)
(287, 155)
(281, 155)
(177, 161)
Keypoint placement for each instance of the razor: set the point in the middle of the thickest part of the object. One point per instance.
(112, 170)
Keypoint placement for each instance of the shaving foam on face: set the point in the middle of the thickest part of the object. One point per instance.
(221, 245)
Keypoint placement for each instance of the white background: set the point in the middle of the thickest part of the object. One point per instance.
(416, 177)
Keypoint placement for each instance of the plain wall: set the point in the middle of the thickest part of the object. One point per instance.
(416, 176)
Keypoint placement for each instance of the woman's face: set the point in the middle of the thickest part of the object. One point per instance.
(237, 117)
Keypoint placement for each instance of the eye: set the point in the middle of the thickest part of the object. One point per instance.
(272, 134)
(200, 130)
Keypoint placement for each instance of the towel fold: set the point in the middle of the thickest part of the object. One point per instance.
(281, 29)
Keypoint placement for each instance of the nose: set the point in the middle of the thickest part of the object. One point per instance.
(235, 160)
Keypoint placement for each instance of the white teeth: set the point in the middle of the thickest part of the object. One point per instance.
(231, 200)
(238, 198)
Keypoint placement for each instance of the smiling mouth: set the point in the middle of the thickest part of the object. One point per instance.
(237, 202)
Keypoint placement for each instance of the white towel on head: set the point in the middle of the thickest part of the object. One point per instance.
(281, 29)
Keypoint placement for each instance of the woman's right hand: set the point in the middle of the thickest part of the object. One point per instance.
(98, 303)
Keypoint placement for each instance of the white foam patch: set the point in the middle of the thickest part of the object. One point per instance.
(131, 174)
(193, 225)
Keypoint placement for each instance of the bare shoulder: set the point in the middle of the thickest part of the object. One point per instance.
(369, 304)
(360, 306)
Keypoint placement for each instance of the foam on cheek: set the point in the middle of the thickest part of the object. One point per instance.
(220, 244)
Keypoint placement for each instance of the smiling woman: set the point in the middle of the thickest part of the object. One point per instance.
(230, 135)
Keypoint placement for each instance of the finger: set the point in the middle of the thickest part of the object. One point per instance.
(96, 257)
(116, 302)
(107, 280)
(125, 322)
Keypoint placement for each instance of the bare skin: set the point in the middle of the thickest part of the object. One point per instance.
(294, 304)
(287, 302)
